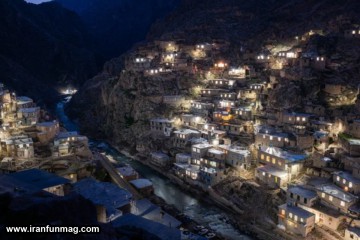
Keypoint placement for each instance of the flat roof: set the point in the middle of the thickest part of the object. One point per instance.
(348, 176)
(292, 157)
(301, 191)
(215, 151)
(126, 171)
(31, 180)
(337, 192)
(106, 194)
(302, 213)
(273, 171)
(141, 183)
(28, 110)
(202, 145)
(185, 131)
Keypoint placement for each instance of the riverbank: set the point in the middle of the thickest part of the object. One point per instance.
(250, 229)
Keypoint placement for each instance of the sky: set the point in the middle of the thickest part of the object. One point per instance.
(37, 1)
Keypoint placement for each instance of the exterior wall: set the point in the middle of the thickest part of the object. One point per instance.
(270, 180)
(335, 203)
(348, 186)
(263, 139)
(324, 219)
(300, 199)
(295, 225)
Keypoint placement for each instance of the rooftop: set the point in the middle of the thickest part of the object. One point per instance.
(337, 192)
(273, 171)
(302, 213)
(301, 191)
(292, 157)
(348, 176)
(47, 124)
(186, 131)
(141, 183)
(126, 171)
(203, 145)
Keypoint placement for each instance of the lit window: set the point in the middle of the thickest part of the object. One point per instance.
(338, 178)
(295, 218)
(273, 160)
(323, 195)
(263, 173)
(271, 137)
(290, 215)
(303, 119)
(264, 136)
(268, 158)
(350, 184)
(282, 212)
(262, 156)
(301, 220)
(297, 118)
(279, 139)
(279, 162)
(342, 203)
(353, 32)
(330, 198)
(344, 181)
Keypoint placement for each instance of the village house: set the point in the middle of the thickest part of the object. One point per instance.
(183, 136)
(301, 195)
(281, 166)
(176, 101)
(347, 182)
(226, 104)
(239, 73)
(111, 201)
(191, 120)
(222, 116)
(228, 96)
(236, 156)
(247, 94)
(210, 176)
(244, 113)
(269, 138)
(296, 220)
(350, 145)
(127, 173)
(325, 216)
(144, 186)
(352, 233)
(221, 83)
(211, 93)
(20, 147)
(47, 131)
(234, 129)
(160, 159)
(199, 151)
(201, 108)
(294, 118)
(188, 172)
(163, 125)
(66, 143)
(28, 116)
(33, 181)
(334, 197)
(24, 102)
(183, 158)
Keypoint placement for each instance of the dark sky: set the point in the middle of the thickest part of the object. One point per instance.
(37, 1)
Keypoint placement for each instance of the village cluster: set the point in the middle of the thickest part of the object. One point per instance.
(229, 124)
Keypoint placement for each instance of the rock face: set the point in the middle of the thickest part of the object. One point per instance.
(118, 24)
(117, 104)
(43, 46)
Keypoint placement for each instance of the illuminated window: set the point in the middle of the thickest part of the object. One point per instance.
(342, 203)
(301, 220)
(271, 137)
(290, 215)
(273, 160)
(338, 178)
(263, 173)
(344, 181)
(353, 32)
(262, 156)
(264, 136)
(330, 198)
(297, 118)
(323, 195)
(295, 217)
(303, 119)
(279, 162)
(282, 212)
(350, 184)
(289, 118)
(268, 158)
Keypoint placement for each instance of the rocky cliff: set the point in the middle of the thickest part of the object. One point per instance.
(118, 102)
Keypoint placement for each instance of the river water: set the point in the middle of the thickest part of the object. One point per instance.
(200, 211)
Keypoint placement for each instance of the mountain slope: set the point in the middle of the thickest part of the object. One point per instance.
(43, 47)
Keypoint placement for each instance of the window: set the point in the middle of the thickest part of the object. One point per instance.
(279, 139)
(338, 178)
(298, 198)
(323, 195)
(291, 195)
(282, 212)
(263, 136)
(295, 218)
(344, 181)
(262, 156)
(268, 158)
(271, 137)
(263, 173)
(301, 220)
(330, 198)
(279, 162)
(290, 215)
(342, 203)
(305, 200)
(350, 184)
(273, 160)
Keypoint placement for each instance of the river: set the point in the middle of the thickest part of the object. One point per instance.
(200, 211)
